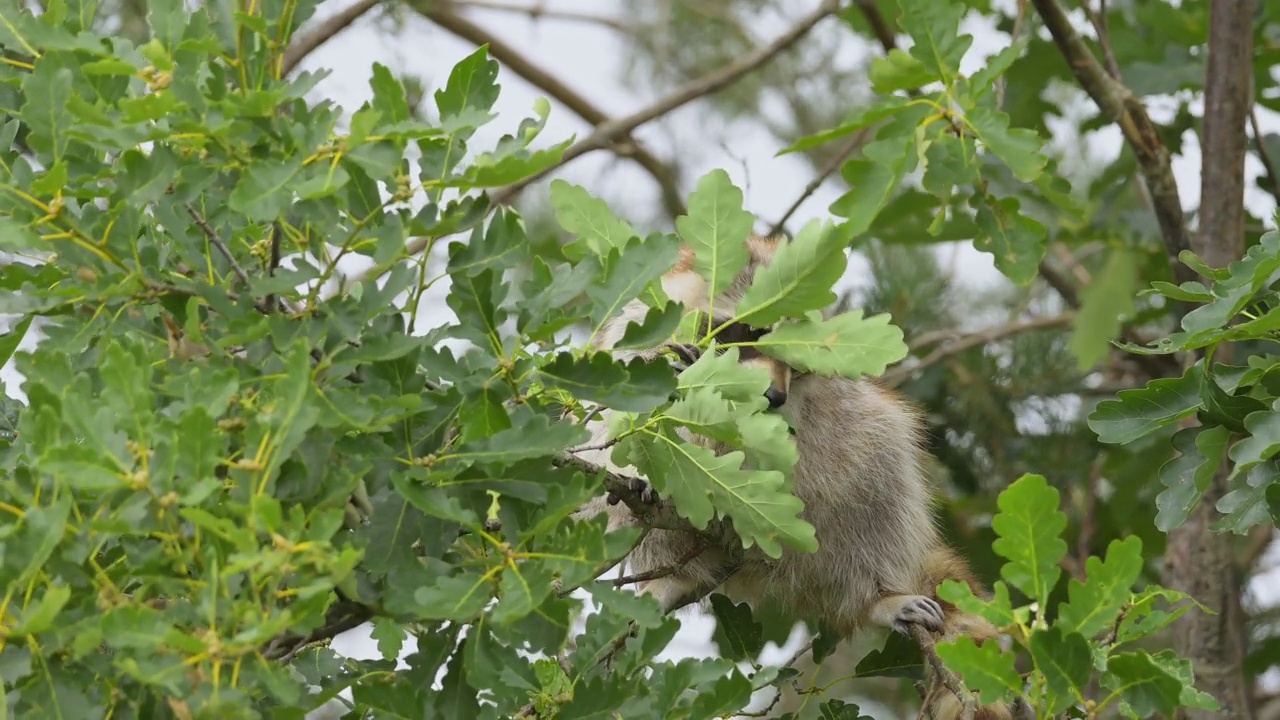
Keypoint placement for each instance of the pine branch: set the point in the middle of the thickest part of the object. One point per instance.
(325, 31)
(623, 145)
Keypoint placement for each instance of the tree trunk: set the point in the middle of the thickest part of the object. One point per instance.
(1200, 562)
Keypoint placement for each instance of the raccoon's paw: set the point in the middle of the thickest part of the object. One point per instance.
(685, 355)
(918, 610)
(648, 495)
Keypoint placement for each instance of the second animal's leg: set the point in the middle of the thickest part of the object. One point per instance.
(899, 611)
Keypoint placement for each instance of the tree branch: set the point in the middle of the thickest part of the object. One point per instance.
(217, 242)
(517, 62)
(949, 680)
(1117, 101)
(537, 12)
(901, 374)
(837, 158)
(342, 616)
(1199, 561)
(1268, 163)
(307, 44)
(662, 517)
(609, 132)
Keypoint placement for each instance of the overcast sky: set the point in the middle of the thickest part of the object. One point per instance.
(589, 58)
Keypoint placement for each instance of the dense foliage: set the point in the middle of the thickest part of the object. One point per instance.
(232, 450)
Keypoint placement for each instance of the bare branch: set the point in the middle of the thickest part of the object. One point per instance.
(1117, 101)
(537, 12)
(342, 616)
(307, 44)
(838, 157)
(1199, 561)
(216, 241)
(517, 62)
(1268, 163)
(693, 552)
(951, 681)
(901, 374)
(660, 518)
(1098, 19)
(609, 132)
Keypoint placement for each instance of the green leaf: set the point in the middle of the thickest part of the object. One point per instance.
(874, 179)
(900, 657)
(1093, 605)
(737, 634)
(388, 95)
(265, 189)
(1014, 240)
(534, 437)
(598, 378)
(1065, 659)
(471, 91)
(1104, 302)
(847, 345)
(1018, 148)
(9, 341)
(47, 91)
(589, 218)
(797, 280)
(858, 119)
(1261, 444)
(658, 326)
(1182, 670)
(1246, 504)
(995, 66)
(1186, 477)
(701, 483)
(724, 373)
(998, 610)
(898, 70)
(716, 229)
(627, 272)
(934, 25)
(1030, 527)
(1143, 684)
(985, 669)
(1141, 411)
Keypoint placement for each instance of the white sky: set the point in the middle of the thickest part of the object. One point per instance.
(589, 58)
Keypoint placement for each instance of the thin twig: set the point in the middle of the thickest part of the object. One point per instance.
(969, 706)
(1268, 163)
(1098, 19)
(777, 697)
(661, 517)
(216, 241)
(900, 374)
(1019, 23)
(323, 32)
(837, 158)
(1128, 112)
(623, 145)
(342, 616)
(537, 12)
(688, 557)
(607, 133)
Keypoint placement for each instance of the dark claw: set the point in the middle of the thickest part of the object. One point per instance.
(686, 355)
(647, 494)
